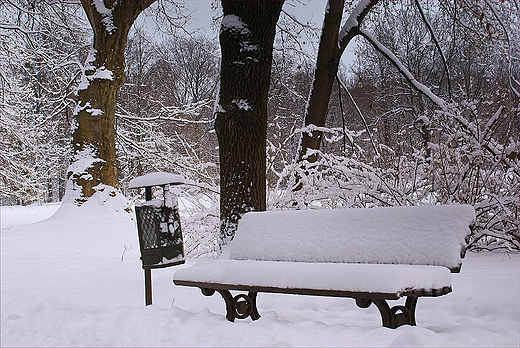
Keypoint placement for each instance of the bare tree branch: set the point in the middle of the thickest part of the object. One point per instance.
(511, 78)
(363, 119)
(434, 38)
(402, 69)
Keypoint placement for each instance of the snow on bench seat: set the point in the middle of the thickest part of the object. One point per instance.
(394, 281)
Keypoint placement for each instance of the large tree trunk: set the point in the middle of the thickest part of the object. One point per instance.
(94, 159)
(246, 39)
(332, 45)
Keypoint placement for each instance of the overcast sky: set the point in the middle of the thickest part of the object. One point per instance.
(304, 10)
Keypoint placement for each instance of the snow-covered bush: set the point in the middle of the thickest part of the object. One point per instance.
(199, 206)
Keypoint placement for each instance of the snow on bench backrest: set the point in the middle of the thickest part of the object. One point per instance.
(425, 235)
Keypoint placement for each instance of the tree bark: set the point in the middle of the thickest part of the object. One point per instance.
(246, 39)
(94, 159)
(330, 50)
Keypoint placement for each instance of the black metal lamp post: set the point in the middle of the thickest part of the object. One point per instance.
(158, 226)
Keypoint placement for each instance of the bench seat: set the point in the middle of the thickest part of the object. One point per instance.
(346, 280)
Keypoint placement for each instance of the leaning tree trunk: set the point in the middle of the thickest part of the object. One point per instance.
(246, 39)
(332, 45)
(324, 75)
(94, 159)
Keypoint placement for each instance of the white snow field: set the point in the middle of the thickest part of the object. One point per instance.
(75, 279)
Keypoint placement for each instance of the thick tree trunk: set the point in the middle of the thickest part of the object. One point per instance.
(332, 45)
(246, 39)
(94, 159)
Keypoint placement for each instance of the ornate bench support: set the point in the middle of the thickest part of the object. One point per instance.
(390, 316)
(241, 306)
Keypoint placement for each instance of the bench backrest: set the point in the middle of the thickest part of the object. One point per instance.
(424, 235)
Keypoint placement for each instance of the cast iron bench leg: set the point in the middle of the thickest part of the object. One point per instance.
(241, 306)
(390, 316)
(254, 312)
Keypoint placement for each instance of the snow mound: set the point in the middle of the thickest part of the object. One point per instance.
(105, 203)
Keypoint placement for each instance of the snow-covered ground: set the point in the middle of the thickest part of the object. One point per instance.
(75, 280)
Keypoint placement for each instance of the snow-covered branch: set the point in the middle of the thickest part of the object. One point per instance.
(351, 27)
(402, 69)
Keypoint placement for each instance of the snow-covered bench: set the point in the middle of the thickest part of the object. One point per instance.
(371, 255)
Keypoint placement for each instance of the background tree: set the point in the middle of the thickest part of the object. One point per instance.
(41, 45)
(164, 120)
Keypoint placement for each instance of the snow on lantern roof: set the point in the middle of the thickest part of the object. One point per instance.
(156, 179)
